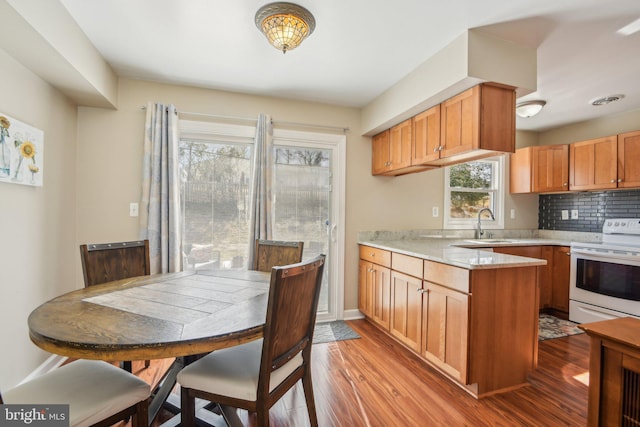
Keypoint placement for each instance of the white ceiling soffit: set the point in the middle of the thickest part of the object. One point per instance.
(53, 46)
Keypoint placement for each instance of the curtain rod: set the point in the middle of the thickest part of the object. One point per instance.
(274, 123)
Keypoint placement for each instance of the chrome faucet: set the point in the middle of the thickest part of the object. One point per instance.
(479, 231)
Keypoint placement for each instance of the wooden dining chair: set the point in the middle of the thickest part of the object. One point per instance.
(255, 375)
(106, 262)
(119, 396)
(271, 253)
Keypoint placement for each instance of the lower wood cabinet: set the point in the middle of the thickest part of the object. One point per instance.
(445, 329)
(479, 327)
(406, 299)
(374, 287)
(406, 309)
(552, 279)
(560, 271)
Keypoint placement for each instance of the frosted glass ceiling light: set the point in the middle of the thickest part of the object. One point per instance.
(529, 108)
(285, 25)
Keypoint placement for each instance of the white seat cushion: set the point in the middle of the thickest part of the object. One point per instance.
(233, 371)
(93, 389)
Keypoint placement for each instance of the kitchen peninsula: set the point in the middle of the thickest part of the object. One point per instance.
(470, 313)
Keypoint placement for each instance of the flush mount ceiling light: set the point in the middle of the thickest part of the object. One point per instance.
(607, 100)
(529, 108)
(285, 24)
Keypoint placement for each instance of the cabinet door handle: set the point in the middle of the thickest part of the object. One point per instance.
(613, 180)
(435, 150)
(565, 184)
(620, 180)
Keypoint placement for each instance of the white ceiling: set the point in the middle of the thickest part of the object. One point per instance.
(362, 47)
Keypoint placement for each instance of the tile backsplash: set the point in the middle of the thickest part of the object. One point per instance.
(593, 208)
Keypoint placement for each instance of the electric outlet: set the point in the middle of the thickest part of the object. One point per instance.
(133, 209)
(434, 211)
(513, 214)
(565, 214)
(574, 213)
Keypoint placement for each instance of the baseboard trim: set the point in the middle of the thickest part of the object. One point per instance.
(352, 314)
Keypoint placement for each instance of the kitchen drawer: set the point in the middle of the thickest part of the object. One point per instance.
(407, 264)
(375, 255)
(447, 275)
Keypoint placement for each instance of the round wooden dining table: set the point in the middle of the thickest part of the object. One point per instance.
(151, 317)
(179, 315)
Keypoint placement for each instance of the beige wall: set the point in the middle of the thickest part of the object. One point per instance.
(611, 125)
(110, 150)
(93, 171)
(37, 225)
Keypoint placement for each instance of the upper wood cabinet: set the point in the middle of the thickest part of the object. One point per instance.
(605, 163)
(392, 151)
(426, 136)
(628, 156)
(380, 153)
(400, 140)
(540, 169)
(477, 123)
(593, 164)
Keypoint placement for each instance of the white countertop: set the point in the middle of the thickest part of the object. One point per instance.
(463, 253)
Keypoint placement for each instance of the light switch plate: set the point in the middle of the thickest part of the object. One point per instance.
(565, 214)
(434, 211)
(133, 209)
(574, 213)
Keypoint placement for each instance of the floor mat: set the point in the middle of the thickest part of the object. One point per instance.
(333, 331)
(550, 327)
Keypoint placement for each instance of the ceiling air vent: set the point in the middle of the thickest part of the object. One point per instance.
(607, 100)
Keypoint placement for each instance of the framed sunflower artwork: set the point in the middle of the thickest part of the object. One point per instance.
(21, 152)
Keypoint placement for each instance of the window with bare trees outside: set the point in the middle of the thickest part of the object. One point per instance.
(470, 187)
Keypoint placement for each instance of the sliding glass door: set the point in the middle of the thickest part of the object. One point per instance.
(307, 202)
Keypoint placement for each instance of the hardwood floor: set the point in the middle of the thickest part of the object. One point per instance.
(373, 381)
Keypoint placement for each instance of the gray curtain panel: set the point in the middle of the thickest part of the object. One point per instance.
(160, 202)
(261, 198)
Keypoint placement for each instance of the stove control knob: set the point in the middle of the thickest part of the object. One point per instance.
(616, 223)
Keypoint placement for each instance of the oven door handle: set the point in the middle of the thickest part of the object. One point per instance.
(614, 256)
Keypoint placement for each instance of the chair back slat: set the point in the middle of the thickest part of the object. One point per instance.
(272, 253)
(291, 313)
(106, 262)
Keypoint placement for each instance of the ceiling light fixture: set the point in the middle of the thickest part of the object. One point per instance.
(606, 100)
(285, 25)
(529, 108)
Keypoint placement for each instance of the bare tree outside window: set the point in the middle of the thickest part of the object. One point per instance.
(215, 202)
(467, 182)
(471, 186)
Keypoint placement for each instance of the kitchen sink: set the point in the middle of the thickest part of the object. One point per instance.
(488, 241)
